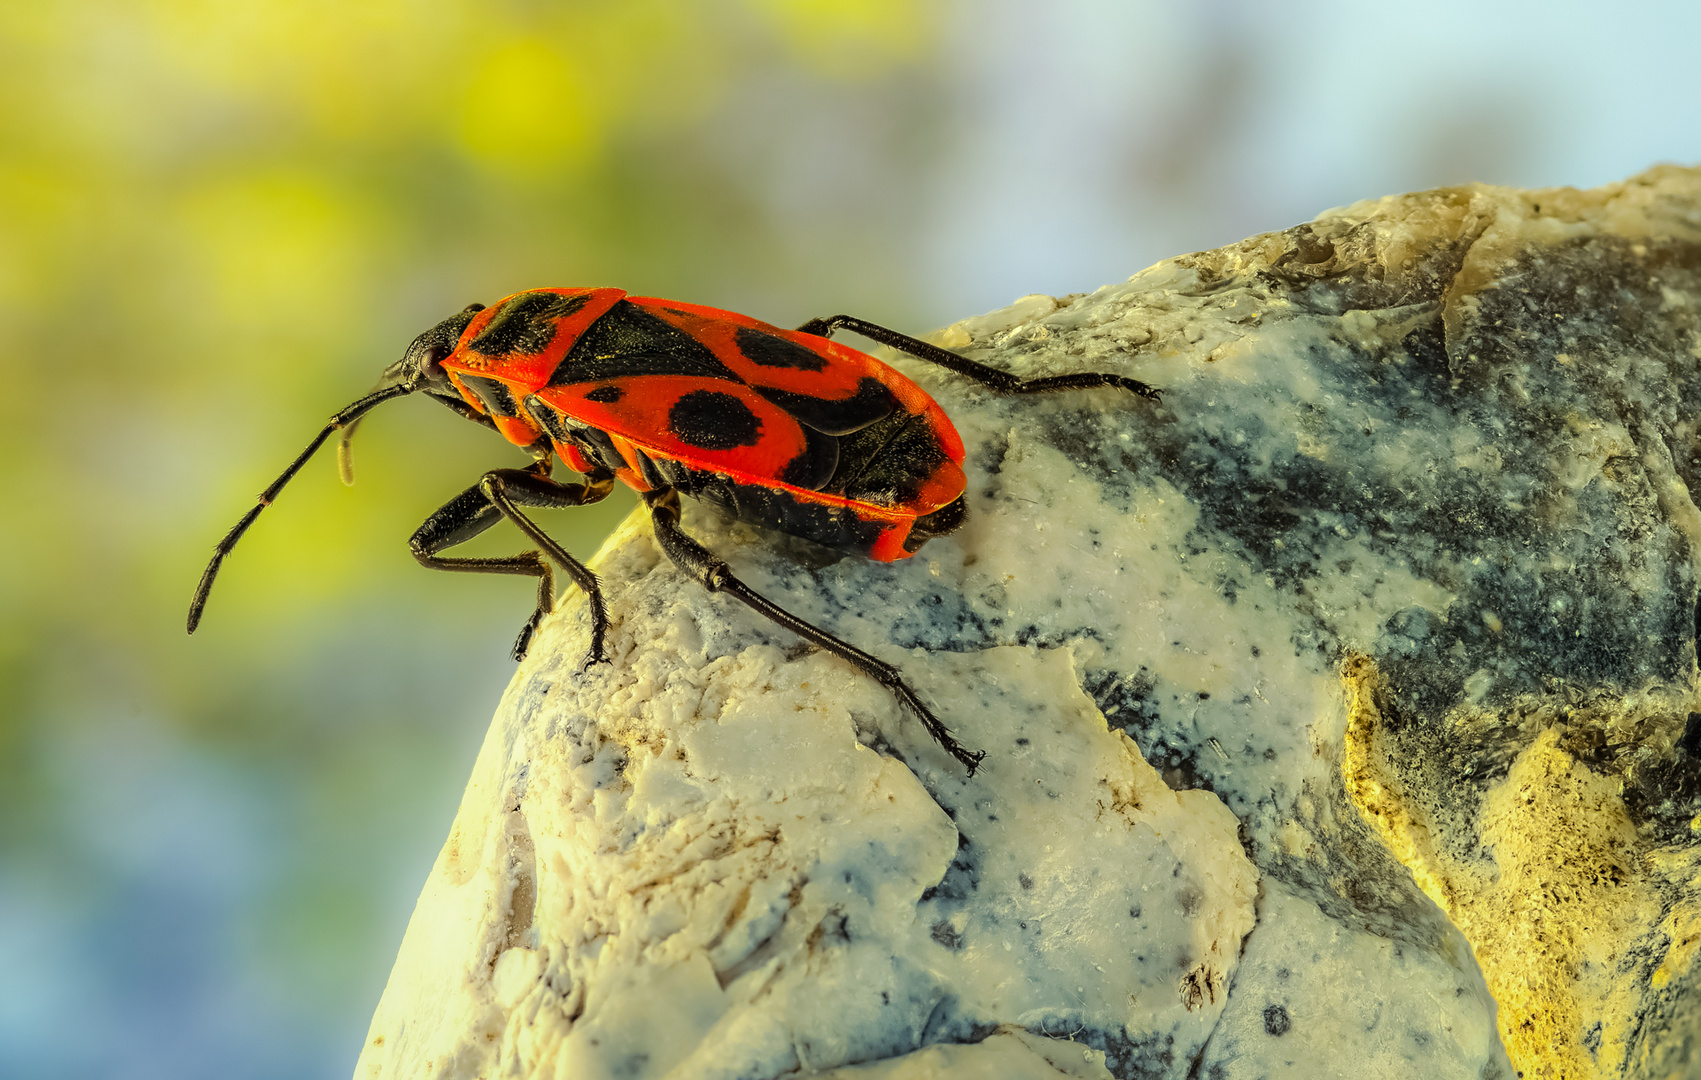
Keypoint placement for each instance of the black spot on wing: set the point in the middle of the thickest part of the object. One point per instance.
(608, 395)
(629, 341)
(526, 324)
(497, 398)
(815, 466)
(871, 402)
(711, 420)
(770, 351)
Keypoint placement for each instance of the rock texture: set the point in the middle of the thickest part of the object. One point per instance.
(1340, 711)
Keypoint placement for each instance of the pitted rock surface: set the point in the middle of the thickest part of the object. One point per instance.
(1328, 704)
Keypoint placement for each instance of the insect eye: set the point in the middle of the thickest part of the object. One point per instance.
(432, 356)
(426, 357)
(431, 348)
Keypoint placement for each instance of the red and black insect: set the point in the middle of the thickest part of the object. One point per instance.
(786, 429)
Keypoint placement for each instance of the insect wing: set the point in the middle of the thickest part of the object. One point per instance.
(704, 423)
(827, 385)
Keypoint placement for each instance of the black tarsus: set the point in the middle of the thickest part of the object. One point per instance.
(498, 494)
(1002, 381)
(714, 575)
(347, 416)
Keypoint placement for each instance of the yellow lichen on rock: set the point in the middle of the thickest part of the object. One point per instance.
(1378, 792)
(1554, 925)
(1552, 904)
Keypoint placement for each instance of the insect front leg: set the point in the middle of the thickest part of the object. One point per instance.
(474, 510)
(713, 574)
(1002, 381)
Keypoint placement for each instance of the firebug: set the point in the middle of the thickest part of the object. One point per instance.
(786, 429)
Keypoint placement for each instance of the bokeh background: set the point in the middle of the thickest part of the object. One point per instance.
(219, 219)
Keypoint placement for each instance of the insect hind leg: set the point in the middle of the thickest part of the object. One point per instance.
(1002, 381)
(714, 575)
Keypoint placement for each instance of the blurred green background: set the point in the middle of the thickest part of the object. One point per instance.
(220, 220)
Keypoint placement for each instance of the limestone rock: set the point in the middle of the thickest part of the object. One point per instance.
(1340, 711)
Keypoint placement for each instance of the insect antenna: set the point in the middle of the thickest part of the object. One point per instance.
(346, 419)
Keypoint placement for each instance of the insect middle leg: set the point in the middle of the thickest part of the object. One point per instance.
(1002, 381)
(498, 494)
(713, 574)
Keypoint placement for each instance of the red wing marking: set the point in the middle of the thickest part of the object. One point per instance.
(705, 423)
(838, 374)
(837, 377)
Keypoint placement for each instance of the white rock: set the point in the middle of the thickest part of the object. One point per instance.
(1418, 492)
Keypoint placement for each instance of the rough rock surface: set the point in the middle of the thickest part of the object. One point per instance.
(1340, 711)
